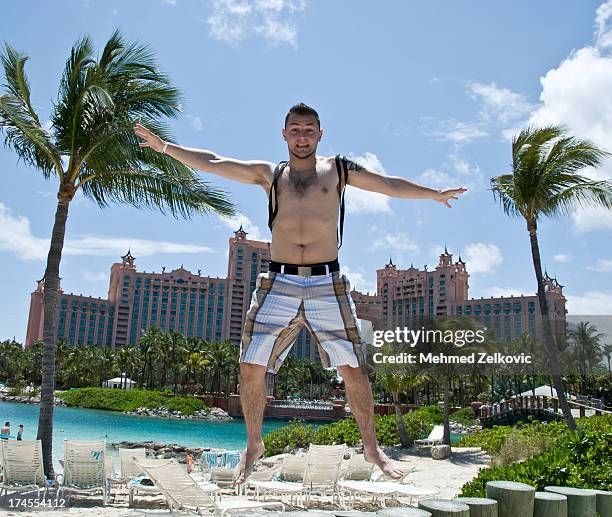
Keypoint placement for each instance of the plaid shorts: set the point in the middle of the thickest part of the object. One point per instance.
(283, 304)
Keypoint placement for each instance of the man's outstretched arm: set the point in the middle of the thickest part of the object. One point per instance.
(396, 186)
(253, 172)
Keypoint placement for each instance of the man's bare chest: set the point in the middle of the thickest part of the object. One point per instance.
(311, 185)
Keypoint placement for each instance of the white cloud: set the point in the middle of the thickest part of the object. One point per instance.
(561, 257)
(589, 219)
(393, 241)
(602, 265)
(254, 233)
(591, 302)
(358, 280)
(499, 105)
(169, 2)
(90, 276)
(196, 122)
(482, 258)
(363, 201)
(603, 19)
(452, 130)
(453, 173)
(233, 21)
(16, 237)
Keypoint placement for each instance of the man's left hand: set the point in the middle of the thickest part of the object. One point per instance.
(443, 196)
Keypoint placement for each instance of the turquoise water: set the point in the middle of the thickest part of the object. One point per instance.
(92, 424)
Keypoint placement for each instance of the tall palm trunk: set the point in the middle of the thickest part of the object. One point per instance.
(549, 340)
(446, 435)
(51, 285)
(405, 439)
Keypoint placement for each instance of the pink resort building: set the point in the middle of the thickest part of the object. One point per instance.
(215, 308)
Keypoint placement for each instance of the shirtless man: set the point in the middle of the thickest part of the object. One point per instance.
(303, 288)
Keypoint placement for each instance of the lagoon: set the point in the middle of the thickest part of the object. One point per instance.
(92, 424)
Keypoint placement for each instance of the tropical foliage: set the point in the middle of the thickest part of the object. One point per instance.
(580, 460)
(129, 400)
(90, 147)
(546, 181)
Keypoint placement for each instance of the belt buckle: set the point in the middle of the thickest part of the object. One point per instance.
(304, 271)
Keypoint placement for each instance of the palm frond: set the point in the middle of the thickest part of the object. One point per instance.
(20, 122)
(180, 194)
(584, 194)
(545, 176)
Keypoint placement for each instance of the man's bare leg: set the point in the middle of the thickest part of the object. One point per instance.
(361, 401)
(253, 400)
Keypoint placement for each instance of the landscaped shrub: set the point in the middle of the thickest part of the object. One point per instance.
(419, 424)
(296, 436)
(464, 416)
(492, 440)
(128, 400)
(520, 446)
(580, 460)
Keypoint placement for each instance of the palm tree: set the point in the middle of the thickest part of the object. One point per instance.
(396, 383)
(587, 341)
(545, 181)
(91, 147)
(607, 353)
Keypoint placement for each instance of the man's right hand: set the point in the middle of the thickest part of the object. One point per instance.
(150, 139)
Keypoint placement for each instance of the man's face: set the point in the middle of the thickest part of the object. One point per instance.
(302, 134)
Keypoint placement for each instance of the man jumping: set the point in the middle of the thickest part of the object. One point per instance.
(303, 287)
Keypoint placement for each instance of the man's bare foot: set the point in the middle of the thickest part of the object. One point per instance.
(249, 456)
(382, 461)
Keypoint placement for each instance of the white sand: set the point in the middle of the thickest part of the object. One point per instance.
(445, 476)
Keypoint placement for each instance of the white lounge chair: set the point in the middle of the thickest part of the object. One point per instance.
(380, 490)
(22, 466)
(129, 468)
(183, 493)
(356, 468)
(84, 468)
(138, 483)
(289, 482)
(434, 438)
(292, 468)
(321, 472)
(323, 464)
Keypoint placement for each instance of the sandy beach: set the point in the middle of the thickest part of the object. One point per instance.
(445, 476)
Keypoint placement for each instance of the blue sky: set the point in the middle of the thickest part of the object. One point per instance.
(431, 91)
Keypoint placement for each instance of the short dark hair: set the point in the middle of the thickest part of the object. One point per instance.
(7, 423)
(302, 109)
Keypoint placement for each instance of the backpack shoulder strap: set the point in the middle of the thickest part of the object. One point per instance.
(273, 195)
(342, 168)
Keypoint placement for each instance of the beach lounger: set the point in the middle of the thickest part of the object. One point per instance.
(322, 471)
(379, 491)
(129, 468)
(84, 468)
(288, 482)
(140, 483)
(434, 438)
(183, 493)
(320, 475)
(356, 468)
(22, 467)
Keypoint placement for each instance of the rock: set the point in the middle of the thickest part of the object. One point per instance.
(440, 452)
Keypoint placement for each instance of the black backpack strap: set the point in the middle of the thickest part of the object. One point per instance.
(273, 207)
(342, 168)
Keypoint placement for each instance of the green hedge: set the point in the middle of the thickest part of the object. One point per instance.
(580, 460)
(464, 416)
(419, 424)
(129, 400)
(492, 440)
